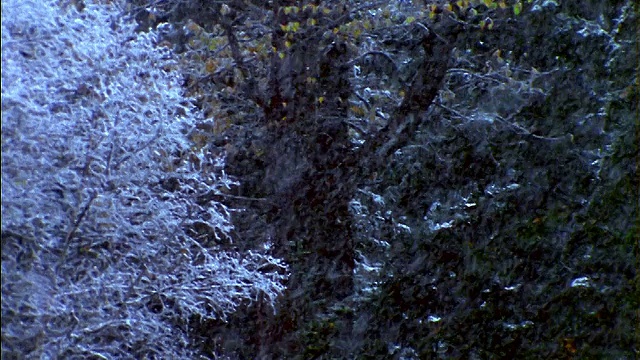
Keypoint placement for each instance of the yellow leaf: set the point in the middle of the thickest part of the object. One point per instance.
(287, 10)
(409, 20)
(281, 55)
(210, 66)
(193, 27)
(372, 114)
(358, 111)
(287, 44)
(326, 11)
(321, 99)
(447, 95)
(570, 345)
(295, 26)
(517, 8)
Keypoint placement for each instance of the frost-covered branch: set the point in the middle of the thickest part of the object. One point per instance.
(101, 190)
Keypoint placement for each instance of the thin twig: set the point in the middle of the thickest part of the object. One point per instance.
(75, 226)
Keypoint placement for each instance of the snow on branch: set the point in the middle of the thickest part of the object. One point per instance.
(100, 188)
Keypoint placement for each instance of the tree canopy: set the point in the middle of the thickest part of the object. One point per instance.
(106, 215)
(443, 179)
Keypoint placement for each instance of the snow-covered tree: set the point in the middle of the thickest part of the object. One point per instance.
(106, 203)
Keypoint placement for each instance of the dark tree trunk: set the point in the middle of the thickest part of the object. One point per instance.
(309, 182)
